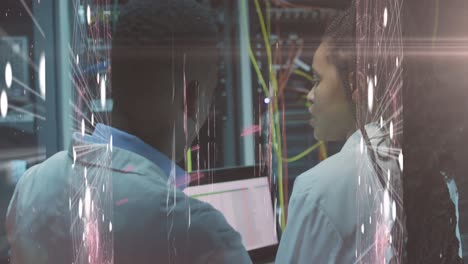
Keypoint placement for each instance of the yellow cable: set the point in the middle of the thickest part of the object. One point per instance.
(304, 153)
(279, 154)
(323, 151)
(251, 55)
(273, 107)
(276, 132)
(268, 6)
(266, 40)
(264, 32)
(189, 160)
(303, 74)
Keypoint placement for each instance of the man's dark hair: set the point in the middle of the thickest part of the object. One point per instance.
(150, 41)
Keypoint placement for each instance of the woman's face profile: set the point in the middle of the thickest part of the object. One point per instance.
(332, 116)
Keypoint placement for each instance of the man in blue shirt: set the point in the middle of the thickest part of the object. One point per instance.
(112, 197)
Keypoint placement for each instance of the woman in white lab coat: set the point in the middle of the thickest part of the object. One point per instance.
(342, 210)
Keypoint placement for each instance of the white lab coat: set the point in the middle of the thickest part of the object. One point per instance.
(333, 217)
(105, 205)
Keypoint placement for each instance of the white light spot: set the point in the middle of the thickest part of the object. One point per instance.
(370, 219)
(3, 104)
(391, 129)
(69, 203)
(381, 122)
(88, 15)
(111, 143)
(103, 94)
(42, 75)
(103, 188)
(110, 226)
(16, 48)
(8, 75)
(361, 145)
(362, 228)
(381, 208)
(92, 206)
(359, 179)
(386, 204)
(74, 157)
(80, 208)
(82, 127)
(388, 175)
(391, 239)
(266, 100)
(370, 191)
(92, 119)
(370, 95)
(385, 17)
(400, 160)
(77, 59)
(397, 62)
(87, 201)
(394, 210)
(98, 77)
(86, 173)
(375, 80)
(103, 217)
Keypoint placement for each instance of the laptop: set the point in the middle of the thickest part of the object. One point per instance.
(244, 197)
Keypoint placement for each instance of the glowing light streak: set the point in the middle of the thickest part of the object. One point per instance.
(385, 17)
(3, 104)
(386, 204)
(400, 160)
(370, 95)
(8, 75)
(121, 202)
(250, 130)
(42, 75)
(26, 8)
(391, 129)
(88, 14)
(87, 202)
(111, 144)
(80, 208)
(103, 93)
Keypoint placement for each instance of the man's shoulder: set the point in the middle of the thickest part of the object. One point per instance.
(46, 170)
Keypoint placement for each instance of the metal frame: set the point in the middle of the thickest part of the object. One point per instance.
(53, 18)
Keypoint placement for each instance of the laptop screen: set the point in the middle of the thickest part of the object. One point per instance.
(247, 207)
